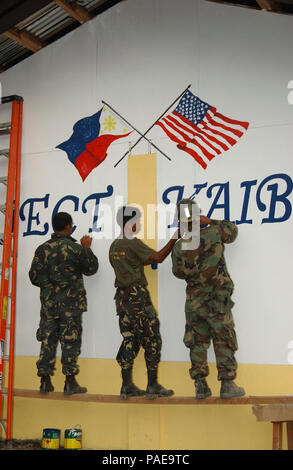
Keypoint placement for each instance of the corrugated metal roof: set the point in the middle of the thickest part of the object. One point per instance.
(46, 25)
(46, 21)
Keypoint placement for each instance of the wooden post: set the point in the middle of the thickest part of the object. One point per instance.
(277, 435)
(290, 434)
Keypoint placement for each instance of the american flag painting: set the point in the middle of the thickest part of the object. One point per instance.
(200, 130)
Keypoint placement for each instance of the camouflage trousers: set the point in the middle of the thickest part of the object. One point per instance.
(66, 328)
(139, 326)
(201, 328)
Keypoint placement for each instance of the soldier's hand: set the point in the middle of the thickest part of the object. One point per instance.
(86, 241)
(204, 220)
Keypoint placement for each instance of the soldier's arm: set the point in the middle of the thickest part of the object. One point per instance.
(183, 263)
(88, 261)
(39, 271)
(177, 265)
(227, 230)
(161, 255)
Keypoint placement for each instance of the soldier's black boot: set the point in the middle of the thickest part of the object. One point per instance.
(154, 389)
(202, 389)
(128, 388)
(46, 384)
(230, 390)
(71, 386)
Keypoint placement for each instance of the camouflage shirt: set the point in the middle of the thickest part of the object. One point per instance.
(57, 268)
(127, 258)
(204, 269)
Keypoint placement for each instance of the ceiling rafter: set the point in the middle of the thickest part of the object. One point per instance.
(78, 12)
(26, 39)
(269, 5)
(26, 26)
(29, 25)
(274, 6)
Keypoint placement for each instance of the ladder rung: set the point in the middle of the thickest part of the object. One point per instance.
(3, 179)
(5, 128)
(4, 153)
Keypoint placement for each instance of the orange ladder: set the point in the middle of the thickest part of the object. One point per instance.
(10, 210)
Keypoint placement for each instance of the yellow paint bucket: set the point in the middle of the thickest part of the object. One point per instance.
(51, 439)
(72, 438)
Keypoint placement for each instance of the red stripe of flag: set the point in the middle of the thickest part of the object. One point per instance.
(207, 154)
(182, 145)
(198, 129)
(233, 121)
(218, 124)
(224, 136)
(195, 134)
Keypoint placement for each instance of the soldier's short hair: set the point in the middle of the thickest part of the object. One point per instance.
(61, 220)
(127, 213)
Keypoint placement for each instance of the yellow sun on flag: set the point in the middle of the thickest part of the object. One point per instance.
(109, 124)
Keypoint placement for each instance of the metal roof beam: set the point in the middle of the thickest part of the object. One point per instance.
(14, 11)
(77, 12)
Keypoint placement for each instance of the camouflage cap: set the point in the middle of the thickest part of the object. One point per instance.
(187, 210)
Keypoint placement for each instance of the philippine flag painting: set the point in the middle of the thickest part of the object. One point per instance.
(92, 135)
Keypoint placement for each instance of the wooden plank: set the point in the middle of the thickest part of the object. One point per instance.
(269, 5)
(25, 38)
(78, 12)
(274, 412)
(277, 436)
(175, 400)
(290, 435)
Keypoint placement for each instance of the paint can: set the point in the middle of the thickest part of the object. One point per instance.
(51, 438)
(72, 438)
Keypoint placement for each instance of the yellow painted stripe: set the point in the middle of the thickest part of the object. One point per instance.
(142, 191)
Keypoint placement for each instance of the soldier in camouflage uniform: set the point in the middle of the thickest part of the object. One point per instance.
(208, 302)
(138, 319)
(57, 268)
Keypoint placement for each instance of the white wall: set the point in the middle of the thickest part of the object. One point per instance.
(139, 56)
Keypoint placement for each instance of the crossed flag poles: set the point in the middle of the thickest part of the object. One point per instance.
(196, 127)
(143, 136)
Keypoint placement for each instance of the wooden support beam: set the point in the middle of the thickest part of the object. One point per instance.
(25, 38)
(78, 12)
(269, 5)
(175, 400)
(277, 436)
(274, 412)
(290, 434)
(277, 414)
